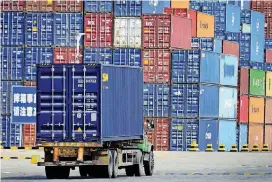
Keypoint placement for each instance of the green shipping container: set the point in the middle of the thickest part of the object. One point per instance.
(257, 82)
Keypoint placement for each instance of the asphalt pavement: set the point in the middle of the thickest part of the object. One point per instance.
(169, 166)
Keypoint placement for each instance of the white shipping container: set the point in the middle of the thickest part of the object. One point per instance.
(128, 32)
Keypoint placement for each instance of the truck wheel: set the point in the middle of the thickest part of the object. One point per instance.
(83, 171)
(63, 172)
(149, 165)
(115, 164)
(50, 172)
(108, 169)
(130, 171)
(138, 168)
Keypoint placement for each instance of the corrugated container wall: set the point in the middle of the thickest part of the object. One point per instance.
(182, 133)
(98, 28)
(268, 109)
(156, 65)
(243, 135)
(243, 81)
(99, 93)
(180, 4)
(34, 56)
(268, 55)
(11, 133)
(98, 55)
(39, 6)
(68, 6)
(243, 109)
(231, 48)
(29, 135)
(127, 56)
(256, 110)
(257, 82)
(12, 28)
(12, 59)
(229, 70)
(227, 102)
(15, 5)
(159, 136)
(156, 100)
(155, 7)
(67, 55)
(128, 8)
(98, 6)
(207, 44)
(39, 29)
(127, 32)
(255, 135)
(205, 25)
(268, 136)
(227, 133)
(165, 31)
(208, 134)
(268, 84)
(66, 28)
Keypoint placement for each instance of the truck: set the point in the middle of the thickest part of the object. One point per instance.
(90, 116)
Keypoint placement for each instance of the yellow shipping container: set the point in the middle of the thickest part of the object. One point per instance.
(205, 25)
(256, 110)
(180, 4)
(269, 84)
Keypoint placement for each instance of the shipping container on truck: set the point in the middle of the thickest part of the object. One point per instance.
(90, 116)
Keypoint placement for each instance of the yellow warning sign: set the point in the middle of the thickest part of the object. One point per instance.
(105, 77)
(79, 129)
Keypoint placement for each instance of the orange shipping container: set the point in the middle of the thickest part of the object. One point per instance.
(255, 135)
(29, 135)
(180, 4)
(269, 84)
(268, 111)
(268, 136)
(205, 25)
(256, 110)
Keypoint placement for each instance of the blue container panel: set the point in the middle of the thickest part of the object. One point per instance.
(34, 56)
(203, 43)
(233, 18)
(228, 70)
(245, 47)
(257, 48)
(246, 16)
(95, 6)
(209, 101)
(268, 43)
(257, 23)
(209, 60)
(185, 100)
(7, 85)
(195, 5)
(242, 136)
(156, 100)
(11, 133)
(155, 7)
(12, 28)
(39, 29)
(227, 133)
(12, 60)
(182, 133)
(66, 28)
(124, 56)
(98, 55)
(208, 134)
(227, 102)
(179, 66)
(243, 4)
(232, 36)
(128, 8)
(218, 45)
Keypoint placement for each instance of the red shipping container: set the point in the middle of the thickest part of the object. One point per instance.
(67, 55)
(231, 48)
(268, 55)
(98, 30)
(243, 81)
(68, 5)
(29, 135)
(243, 109)
(165, 31)
(159, 136)
(191, 14)
(39, 5)
(12, 5)
(156, 65)
(268, 111)
(29, 83)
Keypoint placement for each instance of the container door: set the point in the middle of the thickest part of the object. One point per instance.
(52, 95)
(85, 102)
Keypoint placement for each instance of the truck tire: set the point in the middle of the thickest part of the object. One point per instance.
(50, 172)
(115, 164)
(149, 165)
(108, 169)
(63, 172)
(138, 168)
(83, 171)
(130, 171)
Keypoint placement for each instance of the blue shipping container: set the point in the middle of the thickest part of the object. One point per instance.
(105, 103)
(228, 70)
(242, 132)
(182, 133)
(98, 55)
(243, 4)
(256, 21)
(12, 61)
(192, 100)
(97, 6)
(11, 133)
(207, 44)
(12, 28)
(39, 29)
(155, 6)
(268, 43)
(156, 100)
(66, 28)
(208, 134)
(227, 133)
(233, 19)
(125, 56)
(257, 48)
(227, 102)
(34, 56)
(194, 66)
(128, 8)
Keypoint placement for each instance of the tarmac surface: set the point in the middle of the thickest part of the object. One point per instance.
(169, 166)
